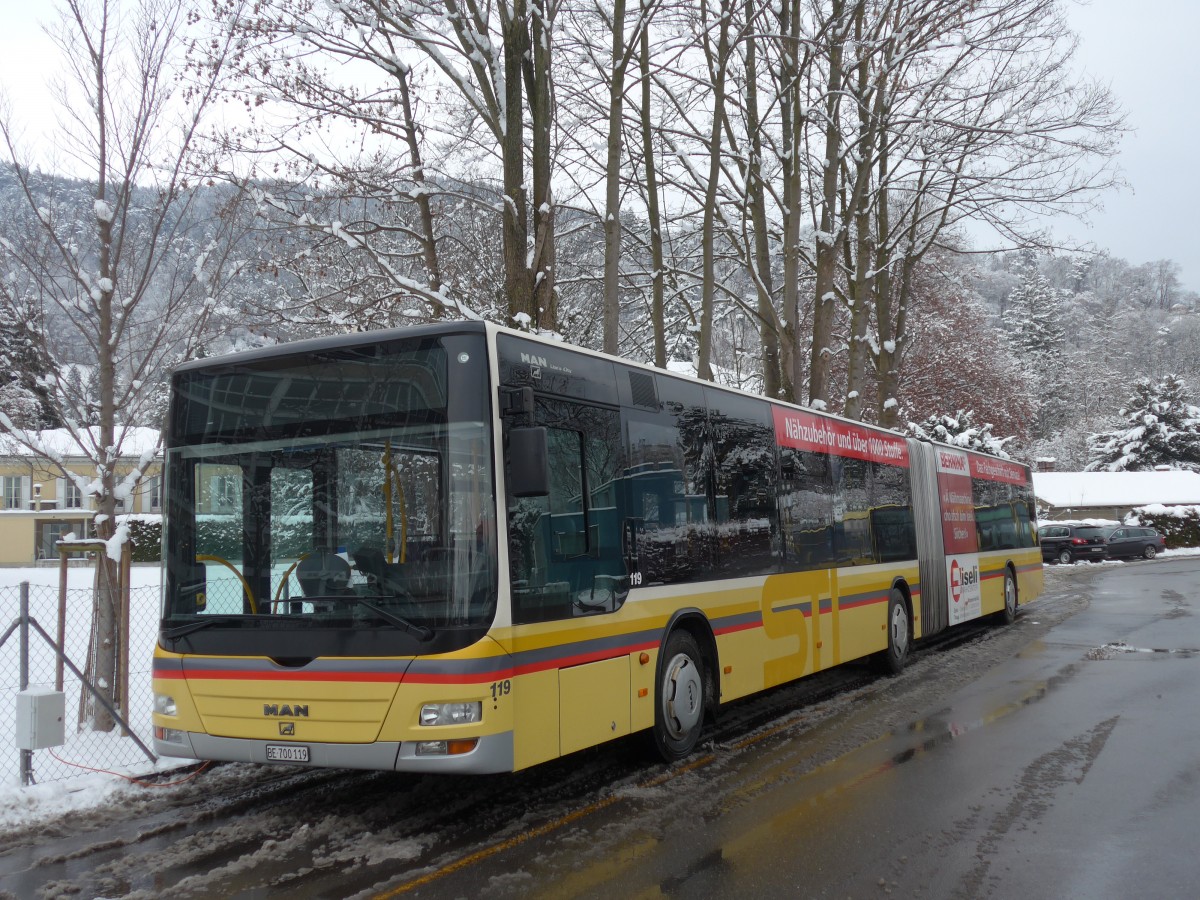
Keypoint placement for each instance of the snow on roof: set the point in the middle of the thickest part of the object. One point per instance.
(1085, 489)
(134, 441)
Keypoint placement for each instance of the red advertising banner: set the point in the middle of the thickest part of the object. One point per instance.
(992, 469)
(956, 501)
(807, 431)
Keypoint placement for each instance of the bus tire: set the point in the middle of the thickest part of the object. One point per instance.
(1008, 615)
(899, 628)
(679, 697)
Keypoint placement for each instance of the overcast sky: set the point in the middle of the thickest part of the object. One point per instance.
(1144, 49)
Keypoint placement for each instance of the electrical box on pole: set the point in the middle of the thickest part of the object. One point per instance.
(40, 718)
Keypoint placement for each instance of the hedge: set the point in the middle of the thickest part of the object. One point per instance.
(145, 537)
(1179, 525)
(221, 535)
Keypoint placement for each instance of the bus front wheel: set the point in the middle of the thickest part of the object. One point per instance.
(899, 628)
(680, 696)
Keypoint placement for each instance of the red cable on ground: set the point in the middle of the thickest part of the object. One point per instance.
(130, 778)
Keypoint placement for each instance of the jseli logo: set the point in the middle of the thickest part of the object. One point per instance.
(533, 359)
(961, 578)
(953, 462)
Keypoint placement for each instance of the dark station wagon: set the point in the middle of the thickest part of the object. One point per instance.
(1128, 542)
(1067, 543)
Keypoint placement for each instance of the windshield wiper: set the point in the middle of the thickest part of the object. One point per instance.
(179, 631)
(420, 632)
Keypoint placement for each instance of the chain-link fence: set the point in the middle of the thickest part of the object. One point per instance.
(84, 745)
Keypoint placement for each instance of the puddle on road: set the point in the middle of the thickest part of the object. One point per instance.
(1118, 649)
(944, 729)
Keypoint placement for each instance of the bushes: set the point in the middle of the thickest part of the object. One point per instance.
(221, 535)
(1179, 525)
(145, 536)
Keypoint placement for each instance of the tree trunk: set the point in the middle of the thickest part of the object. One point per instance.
(830, 229)
(106, 596)
(793, 120)
(518, 282)
(612, 205)
(541, 106)
(768, 322)
(424, 208)
(653, 215)
(708, 287)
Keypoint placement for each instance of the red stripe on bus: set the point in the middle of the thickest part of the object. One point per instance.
(866, 601)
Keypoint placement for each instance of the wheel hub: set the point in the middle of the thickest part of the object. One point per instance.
(899, 630)
(683, 696)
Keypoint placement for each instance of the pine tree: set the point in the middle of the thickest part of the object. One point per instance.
(1035, 318)
(1035, 327)
(25, 393)
(1162, 428)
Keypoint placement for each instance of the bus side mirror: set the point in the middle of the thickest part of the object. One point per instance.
(528, 462)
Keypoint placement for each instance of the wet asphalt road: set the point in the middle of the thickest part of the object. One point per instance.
(1058, 757)
(1070, 767)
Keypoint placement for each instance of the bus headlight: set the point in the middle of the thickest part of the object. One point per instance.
(458, 713)
(164, 704)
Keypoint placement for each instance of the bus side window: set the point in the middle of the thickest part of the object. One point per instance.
(806, 510)
(852, 509)
(893, 527)
(745, 472)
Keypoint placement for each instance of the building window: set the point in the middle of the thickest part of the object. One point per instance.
(224, 493)
(14, 493)
(155, 493)
(72, 495)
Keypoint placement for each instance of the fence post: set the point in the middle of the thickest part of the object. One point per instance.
(26, 755)
(123, 632)
(62, 613)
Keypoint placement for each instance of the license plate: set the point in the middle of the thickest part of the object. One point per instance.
(287, 753)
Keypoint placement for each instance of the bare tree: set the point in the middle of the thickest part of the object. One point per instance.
(125, 264)
(486, 69)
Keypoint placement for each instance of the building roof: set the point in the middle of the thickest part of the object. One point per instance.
(61, 443)
(1079, 490)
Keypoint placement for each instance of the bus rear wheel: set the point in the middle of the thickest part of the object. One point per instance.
(899, 628)
(1008, 615)
(679, 697)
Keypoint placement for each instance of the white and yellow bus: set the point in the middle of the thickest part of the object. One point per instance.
(458, 548)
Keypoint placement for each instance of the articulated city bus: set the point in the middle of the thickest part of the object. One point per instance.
(459, 548)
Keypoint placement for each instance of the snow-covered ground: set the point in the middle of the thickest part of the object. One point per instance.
(86, 789)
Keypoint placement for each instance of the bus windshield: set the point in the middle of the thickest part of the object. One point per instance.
(344, 493)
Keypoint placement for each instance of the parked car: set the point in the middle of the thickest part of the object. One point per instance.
(1127, 542)
(1067, 543)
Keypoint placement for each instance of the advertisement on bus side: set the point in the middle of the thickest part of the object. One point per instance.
(958, 535)
(805, 431)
